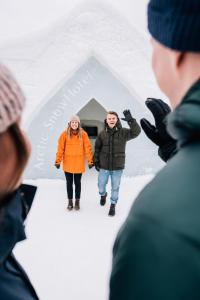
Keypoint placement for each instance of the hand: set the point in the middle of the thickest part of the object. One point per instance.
(158, 133)
(127, 115)
(97, 167)
(91, 165)
(57, 166)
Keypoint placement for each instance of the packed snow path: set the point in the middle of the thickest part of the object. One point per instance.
(68, 254)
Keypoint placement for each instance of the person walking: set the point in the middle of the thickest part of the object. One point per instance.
(156, 252)
(73, 146)
(15, 198)
(109, 155)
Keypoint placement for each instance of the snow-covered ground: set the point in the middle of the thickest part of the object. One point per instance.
(68, 254)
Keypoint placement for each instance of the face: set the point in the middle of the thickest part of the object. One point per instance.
(74, 125)
(111, 120)
(164, 67)
(9, 162)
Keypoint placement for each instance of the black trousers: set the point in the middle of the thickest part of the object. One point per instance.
(76, 178)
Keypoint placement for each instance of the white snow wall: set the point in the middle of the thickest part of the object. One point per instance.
(92, 81)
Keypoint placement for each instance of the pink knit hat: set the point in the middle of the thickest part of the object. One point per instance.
(75, 118)
(12, 99)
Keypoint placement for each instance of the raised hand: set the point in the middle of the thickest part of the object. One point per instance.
(127, 115)
(158, 133)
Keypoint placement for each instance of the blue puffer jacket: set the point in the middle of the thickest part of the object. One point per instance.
(14, 283)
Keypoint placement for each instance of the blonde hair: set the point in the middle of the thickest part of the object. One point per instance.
(71, 131)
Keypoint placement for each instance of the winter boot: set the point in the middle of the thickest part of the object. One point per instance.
(103, 199)
(77, 204)
(70, 204)
(112, 210)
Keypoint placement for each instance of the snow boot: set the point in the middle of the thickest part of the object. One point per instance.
(70, 204)
(77, 204)
(112, 210)
(103, 199)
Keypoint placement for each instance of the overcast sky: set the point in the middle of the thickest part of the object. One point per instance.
(22, 17)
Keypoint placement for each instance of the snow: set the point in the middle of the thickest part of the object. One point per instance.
(91, 52)
(45, 43)
(73, 97)
(21, 18)
(43, 60)
(55, 67)
(68, 254)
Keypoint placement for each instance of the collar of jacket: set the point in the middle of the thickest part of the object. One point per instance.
(183, 123)
(12, 216)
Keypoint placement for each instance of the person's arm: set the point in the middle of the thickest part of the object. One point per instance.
(134, 130)
(167, 146)
(98, 146)
(88, 149)
(151, 262)
(60, 149)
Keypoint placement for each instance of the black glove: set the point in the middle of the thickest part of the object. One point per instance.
(127, 115)
(158, 133)
(97, 167)
(57, 166)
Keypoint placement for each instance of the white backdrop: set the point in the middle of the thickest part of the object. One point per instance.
(20, 18)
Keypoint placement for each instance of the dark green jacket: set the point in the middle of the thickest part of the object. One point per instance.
(156, 255)
(110, 145)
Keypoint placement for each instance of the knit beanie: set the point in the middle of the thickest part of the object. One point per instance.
(75, 119)
(175, 23)
(11, 99)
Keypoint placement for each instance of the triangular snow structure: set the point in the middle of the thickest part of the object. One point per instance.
(94, 54)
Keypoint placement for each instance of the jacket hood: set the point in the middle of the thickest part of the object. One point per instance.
(184, 121)
(12, 216)
(117, 126)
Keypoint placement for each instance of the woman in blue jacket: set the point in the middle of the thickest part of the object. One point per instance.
(15, 199)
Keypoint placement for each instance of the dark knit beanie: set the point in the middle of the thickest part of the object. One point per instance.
(175, 23)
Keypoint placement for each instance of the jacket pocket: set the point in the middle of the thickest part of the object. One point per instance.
(104, 160)
(119, 160)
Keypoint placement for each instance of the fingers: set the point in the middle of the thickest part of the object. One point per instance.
(158, 108)
(126, 111)
(150, 131)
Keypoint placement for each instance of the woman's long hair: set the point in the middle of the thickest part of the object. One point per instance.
(22, 153)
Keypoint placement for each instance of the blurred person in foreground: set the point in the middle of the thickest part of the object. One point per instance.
(156, 254)
(15, 199)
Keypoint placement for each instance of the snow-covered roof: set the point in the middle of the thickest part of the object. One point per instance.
(41, 62)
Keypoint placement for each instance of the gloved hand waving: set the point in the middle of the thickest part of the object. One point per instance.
(158, 133)
(127, 115)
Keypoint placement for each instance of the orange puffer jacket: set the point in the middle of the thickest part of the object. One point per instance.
(72, 152)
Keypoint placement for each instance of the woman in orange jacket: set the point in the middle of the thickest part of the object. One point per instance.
(73, 146)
